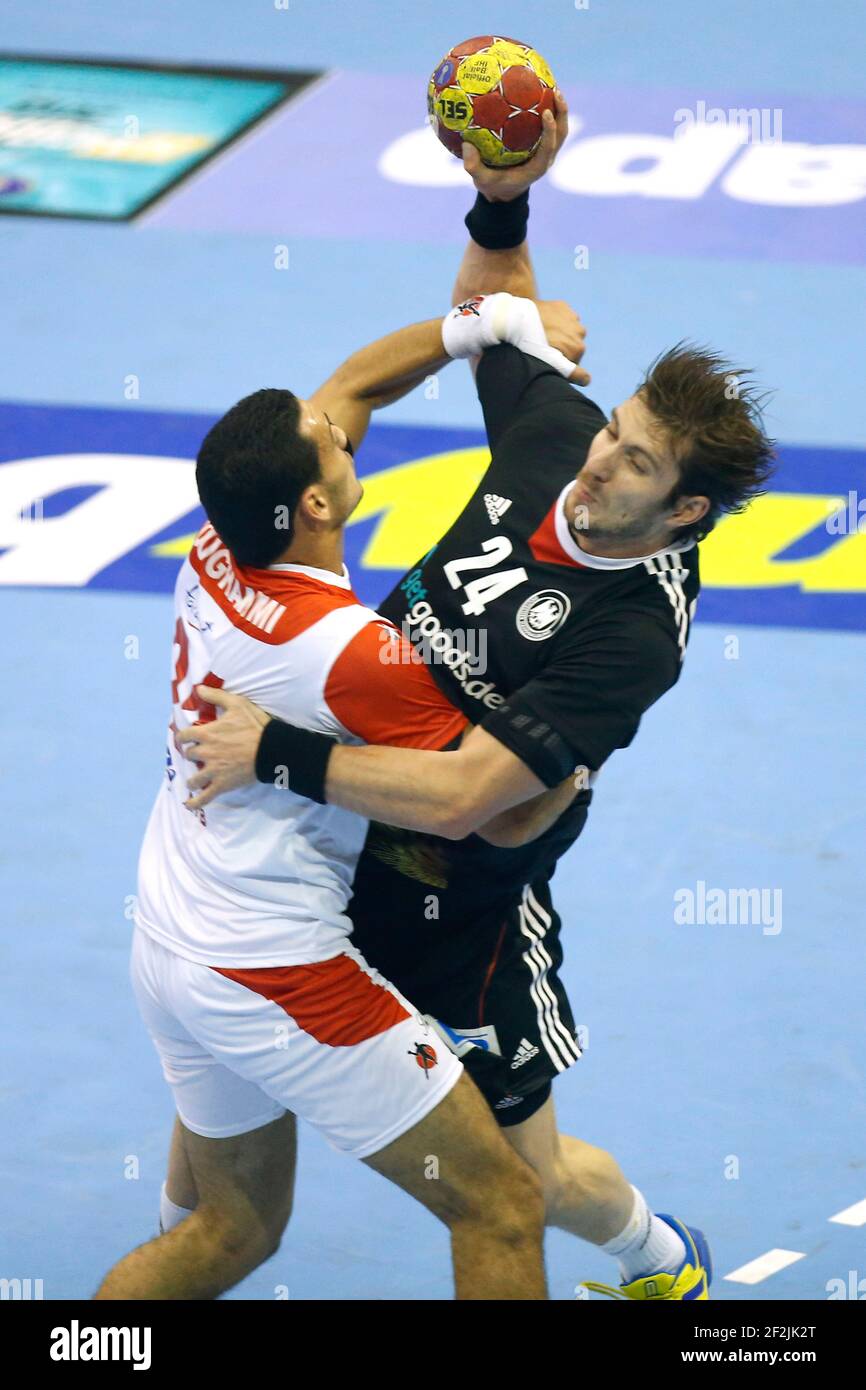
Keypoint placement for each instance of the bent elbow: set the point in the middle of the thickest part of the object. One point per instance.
(511, 830)
(508, 836)
(454, 825)
(459, 818)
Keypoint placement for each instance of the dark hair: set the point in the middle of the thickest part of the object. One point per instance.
(251, 470)
(711, 413)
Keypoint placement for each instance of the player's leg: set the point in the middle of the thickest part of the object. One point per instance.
(585, 1190)
(499, 1001)
(494, 993)
(587, 1194)
(361, 1066)
(467, 1178)
(179, 1195)
(235, 1150)
(336, 1044)
(490, 1203)
(509, 1245)
(244, 1186)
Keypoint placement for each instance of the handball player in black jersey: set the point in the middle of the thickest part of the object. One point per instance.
(576, 562)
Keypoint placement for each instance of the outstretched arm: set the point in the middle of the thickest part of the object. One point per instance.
(387, 369)
(497, 258)
(484, 270)
(391, 367)
(380, 373)
(492, 270)
(473, 788)
(448, 794)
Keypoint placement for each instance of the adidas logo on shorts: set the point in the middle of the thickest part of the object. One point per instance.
(496, 506)
(508, 1100)
(525, 1053)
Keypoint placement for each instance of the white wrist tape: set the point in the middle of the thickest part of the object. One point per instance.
(475, 324)
(488, 319)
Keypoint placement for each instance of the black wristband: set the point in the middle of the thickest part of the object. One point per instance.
(294, 758)
(497, 226)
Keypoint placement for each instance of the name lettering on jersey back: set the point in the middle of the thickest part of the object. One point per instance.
(212, 560)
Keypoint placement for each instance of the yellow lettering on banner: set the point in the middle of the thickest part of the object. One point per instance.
(157, 147)
(176, 549)
(738, 554)
(416, 503)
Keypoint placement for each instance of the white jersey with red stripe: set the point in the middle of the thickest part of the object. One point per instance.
(261, 876)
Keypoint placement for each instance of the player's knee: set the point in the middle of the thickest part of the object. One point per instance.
(506, 1199)
(241, 1238)
(580, 1177)
(522, 1212)
(517, 1210)
(277, 1224)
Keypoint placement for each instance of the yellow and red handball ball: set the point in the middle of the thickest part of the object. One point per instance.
(492, 92)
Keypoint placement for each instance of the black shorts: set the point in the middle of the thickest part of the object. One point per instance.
(493, 991)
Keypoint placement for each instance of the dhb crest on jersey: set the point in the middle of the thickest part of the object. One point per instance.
(542, 614)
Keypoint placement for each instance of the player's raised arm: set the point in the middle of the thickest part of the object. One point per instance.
(497, 256)
(389, 368)
(380, 373)
(497, 261)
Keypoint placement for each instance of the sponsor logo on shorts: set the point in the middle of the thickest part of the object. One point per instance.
(525, 1053)
(425, 1056)
(463, 1040)
(542, 614)
(507, 1101)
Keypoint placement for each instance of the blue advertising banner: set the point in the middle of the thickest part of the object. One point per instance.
(104, 140)
(106, 499)
(654, 171)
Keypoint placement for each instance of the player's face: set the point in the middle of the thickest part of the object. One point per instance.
(339, 481)
(622, 493)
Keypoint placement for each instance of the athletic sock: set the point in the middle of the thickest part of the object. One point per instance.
(646, 1245)
(170, 1214)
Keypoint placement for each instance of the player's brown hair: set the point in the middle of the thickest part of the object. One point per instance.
(710, 411)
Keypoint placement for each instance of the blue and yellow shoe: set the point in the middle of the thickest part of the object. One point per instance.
(692, 1279)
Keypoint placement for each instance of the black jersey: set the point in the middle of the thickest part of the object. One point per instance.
(554, 652)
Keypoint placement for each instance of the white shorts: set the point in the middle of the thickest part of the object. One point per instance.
(333, 1042)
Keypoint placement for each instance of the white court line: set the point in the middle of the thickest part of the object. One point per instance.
(851, 1216)
(764, 1266)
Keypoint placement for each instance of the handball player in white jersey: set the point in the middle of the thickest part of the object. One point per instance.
(260, 1008)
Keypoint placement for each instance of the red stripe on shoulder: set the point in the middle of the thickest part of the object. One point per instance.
(273, 606)
(545, 546)
(335, 1001)
(380, 689)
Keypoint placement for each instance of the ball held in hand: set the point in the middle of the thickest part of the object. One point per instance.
(492, 92)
